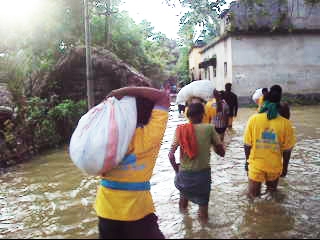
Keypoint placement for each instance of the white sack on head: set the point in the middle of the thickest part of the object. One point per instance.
(257, 94)
(202, 89)
(102, 137)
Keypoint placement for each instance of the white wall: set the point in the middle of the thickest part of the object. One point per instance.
(194, 60)
(223, 52)
(292, 60)
(304, 15)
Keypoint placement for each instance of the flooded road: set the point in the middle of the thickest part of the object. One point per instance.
(49, 197)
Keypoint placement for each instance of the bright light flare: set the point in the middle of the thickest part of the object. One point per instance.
(15, 12)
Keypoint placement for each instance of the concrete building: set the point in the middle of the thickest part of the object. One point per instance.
(262, 44)
(194, 60)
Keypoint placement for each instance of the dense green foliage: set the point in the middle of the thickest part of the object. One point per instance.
(39, 125)
(202, 16)
(60, 27)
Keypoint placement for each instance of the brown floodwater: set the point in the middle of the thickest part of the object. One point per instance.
(49, 197)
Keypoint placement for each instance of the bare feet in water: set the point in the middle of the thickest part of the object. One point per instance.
(203, 214)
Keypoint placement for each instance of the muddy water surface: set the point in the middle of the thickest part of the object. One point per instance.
(49, 197)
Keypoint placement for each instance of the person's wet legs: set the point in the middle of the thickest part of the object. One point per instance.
(203, 214)
(254, 189)
(183, 204)
(272, 185)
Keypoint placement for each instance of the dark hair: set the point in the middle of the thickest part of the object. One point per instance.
(265, 93)
(228, 87)
(218, 96)
(275, 94)
(144, 109)
(195, 110)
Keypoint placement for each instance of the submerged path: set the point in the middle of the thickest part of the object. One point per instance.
(50, 198)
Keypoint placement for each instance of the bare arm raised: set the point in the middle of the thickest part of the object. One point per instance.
(159, 98)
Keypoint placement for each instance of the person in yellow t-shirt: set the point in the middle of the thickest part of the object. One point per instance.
(209, 109)
(269, 139)
(124, 203)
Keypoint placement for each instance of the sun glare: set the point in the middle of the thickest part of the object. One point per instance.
(15, 12)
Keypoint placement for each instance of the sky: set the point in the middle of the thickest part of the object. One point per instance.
(164, 19)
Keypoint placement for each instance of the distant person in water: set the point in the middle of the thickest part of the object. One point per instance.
(193, 175)
(209, 109)
(221, 118)
(269, 139)
(232, 101)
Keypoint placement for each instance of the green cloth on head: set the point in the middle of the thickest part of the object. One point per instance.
(271, 109)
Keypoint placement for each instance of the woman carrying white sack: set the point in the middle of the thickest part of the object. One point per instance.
(124, 203)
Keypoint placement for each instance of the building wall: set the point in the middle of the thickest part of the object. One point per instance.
(223, 52)
(304, 15)
(194, 60)
(292, 61)
(250, 16)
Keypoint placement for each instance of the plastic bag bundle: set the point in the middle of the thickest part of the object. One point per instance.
(102, 136)
(257, 94)
(202, 89)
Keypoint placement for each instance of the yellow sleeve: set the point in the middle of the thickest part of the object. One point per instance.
(289, 138)
(153, 132)
(210, 111)
(248, 134)
(185, 112)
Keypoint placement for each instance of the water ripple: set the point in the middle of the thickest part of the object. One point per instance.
(50, 198)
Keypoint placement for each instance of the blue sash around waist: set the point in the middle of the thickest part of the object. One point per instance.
(127, 186)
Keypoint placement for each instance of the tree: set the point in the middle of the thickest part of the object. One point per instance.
(59, 26)
(182, 67)
(202, 14)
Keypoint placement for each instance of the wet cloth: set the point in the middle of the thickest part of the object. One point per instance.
(187, 138)
(146, 228)
(221, 118)
(206, 138)
(194, 186)
(271, 109)
(262, 176)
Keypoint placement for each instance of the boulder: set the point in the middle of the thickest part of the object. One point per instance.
(68, 78)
